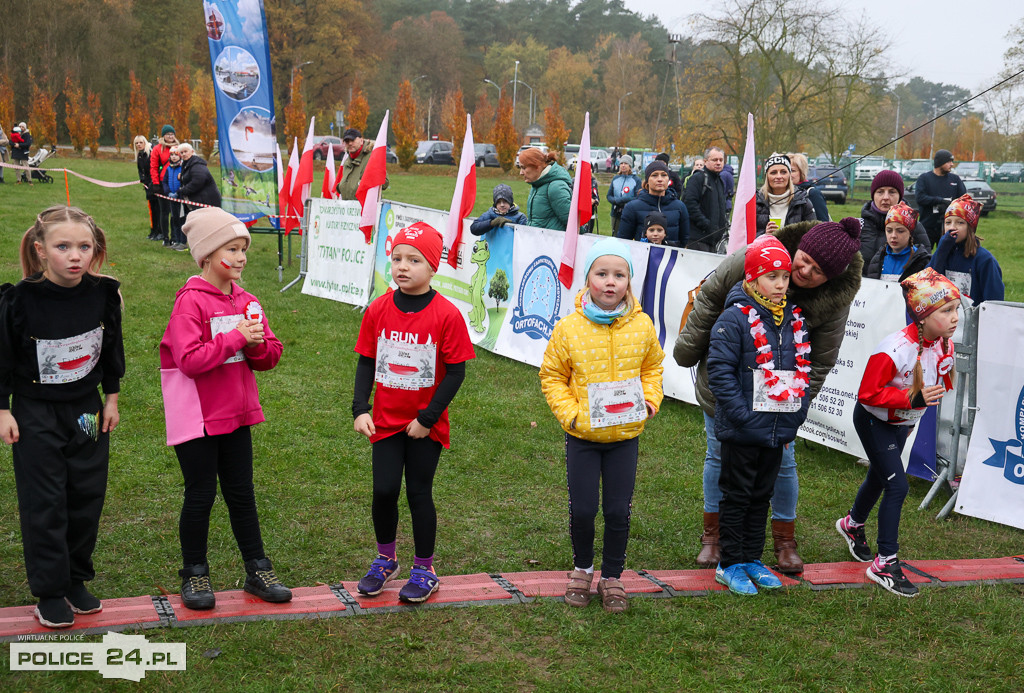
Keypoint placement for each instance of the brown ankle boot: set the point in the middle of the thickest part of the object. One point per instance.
(785, 547)
(710, 554)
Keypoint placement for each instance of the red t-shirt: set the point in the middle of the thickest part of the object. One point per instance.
(410, 351)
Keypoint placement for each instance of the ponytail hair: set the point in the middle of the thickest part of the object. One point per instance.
(917, 384)
(32, 264)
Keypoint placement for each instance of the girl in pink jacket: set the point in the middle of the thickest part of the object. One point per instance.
(217, 336)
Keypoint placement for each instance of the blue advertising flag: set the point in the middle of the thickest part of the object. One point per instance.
(240, 57)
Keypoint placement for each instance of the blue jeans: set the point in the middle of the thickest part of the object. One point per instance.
(787, 486)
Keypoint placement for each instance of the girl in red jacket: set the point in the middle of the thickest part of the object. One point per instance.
(217, 336)
(910, 371)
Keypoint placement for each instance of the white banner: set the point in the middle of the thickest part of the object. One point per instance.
(339, 262)
(992, 486)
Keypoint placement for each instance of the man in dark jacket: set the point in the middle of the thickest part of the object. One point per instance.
(197, 183)
(355, 163)
(706, 203)
(934, 190)
(826, 276)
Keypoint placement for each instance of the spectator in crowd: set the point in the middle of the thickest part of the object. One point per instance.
(675, 182)
(142, 148)
(550, 189)
(503, 212)
(654, 228)
(799, 163)
(197, 183)
(170, 185)
(21, 142)
(825, 278)
(934, 190)
(961, 258)
(159, 155)
(4, 143)
(358, 153)
(622, 190)
(698, 165)
(900, 256)
(886, 192)
(656, 196)
(705, 200)
(779, 202)
(729, 178)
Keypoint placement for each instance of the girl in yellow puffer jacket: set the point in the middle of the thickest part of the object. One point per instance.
(601, 376)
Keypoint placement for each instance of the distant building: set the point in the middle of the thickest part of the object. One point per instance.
(534, 134)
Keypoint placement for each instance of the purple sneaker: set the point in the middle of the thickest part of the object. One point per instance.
(422, 583)
(382, 571)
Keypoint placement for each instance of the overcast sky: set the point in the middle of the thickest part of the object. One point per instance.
(948, 41)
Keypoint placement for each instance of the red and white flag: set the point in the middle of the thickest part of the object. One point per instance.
(744, 206)
(376, 172)
(303, 177)
(580, 209)
(284, 194)
(464, 197)
(330, 176)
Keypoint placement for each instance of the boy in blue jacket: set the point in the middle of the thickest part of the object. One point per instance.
(171, 184)
(758, 369)
(503, 212)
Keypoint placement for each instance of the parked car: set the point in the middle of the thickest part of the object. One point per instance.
(390, 157)
(978, 189)
(541, 146)
(830, 181)
(982, 170)
(869, 167)
(598, 157)
(486, 154)
(1011, 171)
(434, 152)
(322, 142)
(914, 171)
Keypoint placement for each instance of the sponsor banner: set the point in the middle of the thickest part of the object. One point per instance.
(339, 261)
(992, 486)
(240, 57)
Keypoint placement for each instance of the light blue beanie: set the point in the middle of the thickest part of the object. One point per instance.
(609, 246)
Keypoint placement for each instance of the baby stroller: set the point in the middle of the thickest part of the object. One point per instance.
(42, 155)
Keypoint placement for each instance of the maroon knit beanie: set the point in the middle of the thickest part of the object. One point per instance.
(887, 179)
(832, 245)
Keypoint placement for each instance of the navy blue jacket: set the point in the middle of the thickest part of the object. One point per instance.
(731, 366)
(986, 275)
(933, 194)
(632, 224)
(482, 224)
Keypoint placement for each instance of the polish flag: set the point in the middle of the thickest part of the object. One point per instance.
(464, 197)
(580, 209)
(284, 194)
(303, 181)
(330, 177)
(376, 172)
(744, 207)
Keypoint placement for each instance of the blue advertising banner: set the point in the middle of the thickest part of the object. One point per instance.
(240, 56)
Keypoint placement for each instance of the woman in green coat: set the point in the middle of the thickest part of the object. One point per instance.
(551, 189)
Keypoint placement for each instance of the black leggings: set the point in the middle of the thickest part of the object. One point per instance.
(883, 444)
(747, 482)
(589, 467)
(163, 215)
(418, 457)
(204, 460)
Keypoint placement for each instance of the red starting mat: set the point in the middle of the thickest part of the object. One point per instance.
(552, 583)
(973, 570)
(683, 581)
(848, 573)
(117, 614)
(239, 605)
(478, 587)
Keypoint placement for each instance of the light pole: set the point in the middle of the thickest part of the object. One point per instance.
(530, 109)
(896, 136)
(618, 127)
(299, 67)
(495, 85)
(515, 83)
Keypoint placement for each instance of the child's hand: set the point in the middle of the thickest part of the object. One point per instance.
(252, 330)
(364, 425)
(933, 394)
(651, 411)
(417, 430)
(8, 427)
(111, 417)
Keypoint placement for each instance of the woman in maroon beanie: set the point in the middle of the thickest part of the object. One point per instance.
(886, 192)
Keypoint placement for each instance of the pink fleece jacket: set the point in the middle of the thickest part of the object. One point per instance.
(206, 378)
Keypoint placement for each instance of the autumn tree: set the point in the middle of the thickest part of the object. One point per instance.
(358, 108)
(75, 114)
(205, 106)
(453, 119)
(119, 124)
(42, 116)
(181, 104)
(506, 139)
(163, 103)
(404, 126)
(483, 118)
(93, 122)
(138, 108)
(554, 128)
(6, 97)
(295, 112)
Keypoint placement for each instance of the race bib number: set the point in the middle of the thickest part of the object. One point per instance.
(70, 359)
(889, 277)
(762, 402)
(620, 402)
(405, 366)
(962, 281)
(910, 414)
(222, 324)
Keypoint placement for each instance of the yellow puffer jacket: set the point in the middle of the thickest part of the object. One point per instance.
(582, 352)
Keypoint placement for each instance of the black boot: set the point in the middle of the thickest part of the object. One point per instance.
(196, 592)
(261, 581)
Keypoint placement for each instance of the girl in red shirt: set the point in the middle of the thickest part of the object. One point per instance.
(414, 344)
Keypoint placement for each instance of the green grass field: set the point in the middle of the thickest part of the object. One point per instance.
(501, 499)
